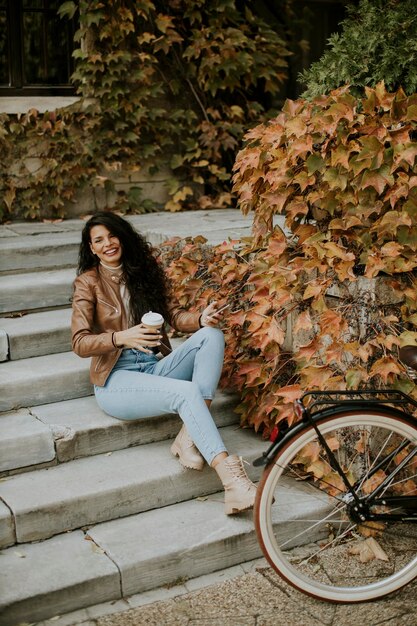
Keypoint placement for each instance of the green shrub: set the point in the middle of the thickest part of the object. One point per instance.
(378, 42)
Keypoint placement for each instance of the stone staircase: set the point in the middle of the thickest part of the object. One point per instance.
(93, 509)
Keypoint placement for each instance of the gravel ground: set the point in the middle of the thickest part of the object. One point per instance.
(262, 598)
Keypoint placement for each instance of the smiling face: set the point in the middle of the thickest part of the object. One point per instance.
(105, 245)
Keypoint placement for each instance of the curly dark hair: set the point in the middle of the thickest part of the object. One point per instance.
(144, 276)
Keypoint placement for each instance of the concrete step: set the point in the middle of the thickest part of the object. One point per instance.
(36, 290)
(50, 501)
(7, 532)
(43, 379)
(34, 252)
(30, 247)
(37, 334)
(62, 431)
(24, 441)
(117, 559)
(47, 378)
(64, 573)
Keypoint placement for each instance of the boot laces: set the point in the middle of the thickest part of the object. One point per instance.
(238, 471)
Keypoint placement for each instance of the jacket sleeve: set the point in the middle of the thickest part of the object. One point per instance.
(182, 320)
(85, 342)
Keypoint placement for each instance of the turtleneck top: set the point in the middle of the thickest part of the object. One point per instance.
(116, 275)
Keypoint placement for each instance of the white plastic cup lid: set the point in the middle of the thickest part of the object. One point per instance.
(152, 319)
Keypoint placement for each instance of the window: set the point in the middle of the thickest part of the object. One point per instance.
(35, 48)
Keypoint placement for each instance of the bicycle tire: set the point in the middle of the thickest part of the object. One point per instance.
(310, 540)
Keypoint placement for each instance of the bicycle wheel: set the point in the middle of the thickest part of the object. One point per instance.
(305, 518)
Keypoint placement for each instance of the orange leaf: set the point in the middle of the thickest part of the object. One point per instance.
(276, 333)
(389, 341)
(395, 193)
(333, 484)
(340, 156)
(337, 251)
(303, 322)
(333, 443)
(349, 221)
(385, 367)
(305, 231)
(256, 320)
(332, 323)
(318, 468)
(303, 145)
(374, 265)
(406, 488)
(344, 270)
(376, 179)
(392, 249)
(277, 200)
(295, 126)
(277, 243)
(309, 453)
(335, 353)
(237, 318)
(249, 367)
(269, 402)
(290, 393)
(313, 289)
(368, 550)
(307, 351)
(406, 152)
(364, 352)
(372, 483)
(390, 222)
(296, 208)
(247, 159)
(316, 375)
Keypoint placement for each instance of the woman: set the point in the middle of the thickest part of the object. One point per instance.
(118, 280)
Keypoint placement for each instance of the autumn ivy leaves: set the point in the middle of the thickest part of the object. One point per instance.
(170, 85)
(342, 171)
(325, 304)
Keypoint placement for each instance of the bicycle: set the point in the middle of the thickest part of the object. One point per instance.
(336, 509)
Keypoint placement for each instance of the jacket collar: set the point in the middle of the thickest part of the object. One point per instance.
(110, 276)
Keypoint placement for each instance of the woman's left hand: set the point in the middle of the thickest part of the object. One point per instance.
(211, 316)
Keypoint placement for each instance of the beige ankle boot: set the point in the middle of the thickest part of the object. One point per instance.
(184, 448)
(239, 491)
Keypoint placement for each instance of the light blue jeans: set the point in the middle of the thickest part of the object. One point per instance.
(142, 386)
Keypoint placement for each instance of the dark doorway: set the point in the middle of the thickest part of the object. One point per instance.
(35, 48)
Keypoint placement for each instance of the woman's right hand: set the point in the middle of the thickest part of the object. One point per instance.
(138, 337)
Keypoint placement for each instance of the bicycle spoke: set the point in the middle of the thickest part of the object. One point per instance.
(331, 543)
(374, 463)
(399, 482)
(310, 528)
(314, 486)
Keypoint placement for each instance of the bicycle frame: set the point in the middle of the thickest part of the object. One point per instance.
(331, 403)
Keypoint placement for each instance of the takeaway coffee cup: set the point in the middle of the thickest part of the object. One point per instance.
(152, 320)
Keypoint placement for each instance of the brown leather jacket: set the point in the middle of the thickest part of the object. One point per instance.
(98, 311)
